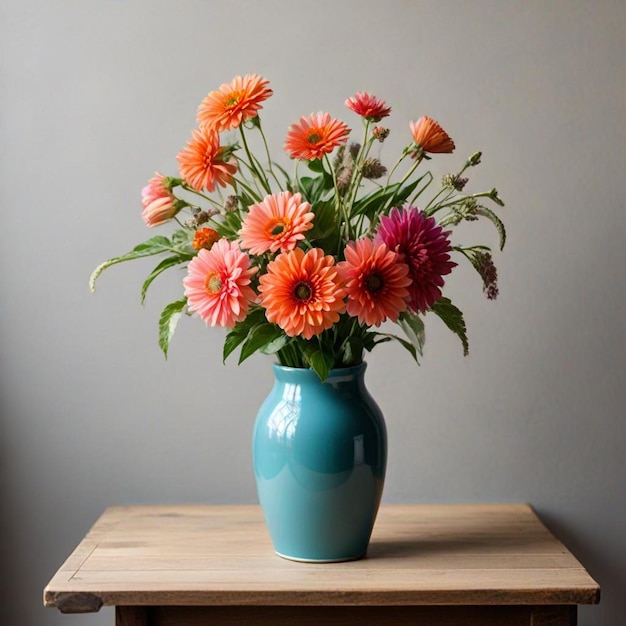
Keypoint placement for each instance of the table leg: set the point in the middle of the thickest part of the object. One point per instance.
(131, 616)
(554, 616)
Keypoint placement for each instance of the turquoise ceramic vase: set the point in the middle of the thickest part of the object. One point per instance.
(320, 453)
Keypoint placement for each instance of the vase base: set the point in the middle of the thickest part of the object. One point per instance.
(305, 560)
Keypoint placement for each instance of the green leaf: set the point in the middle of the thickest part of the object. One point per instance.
(170, 261)
(324, 222)
(369, 340)
(316, 165)
(284, 172)
(413, 328)
(321, 363)
(382, 199)
(370, 203)
(497, 222)
(230, 224)
(259, 337)
(403, 342)
(275, 345)
(313, 189)
(233, 339)
(168, 322)
(404, 192)
(182, 239)
(155, 245)
(241, 331)
(453, 319)
(352, 351)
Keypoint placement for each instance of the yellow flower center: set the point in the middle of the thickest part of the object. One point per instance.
(232, 100)
(213, 283)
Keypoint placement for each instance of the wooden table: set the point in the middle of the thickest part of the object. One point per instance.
(428, 565)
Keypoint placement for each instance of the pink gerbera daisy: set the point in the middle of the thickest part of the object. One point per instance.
(217, 284)
(375, 281)
(423, 245)
(302, 293)
(159, 203)
(277, 223)
(234, 103)
(370, 107)
(204, 163)
(314, 136)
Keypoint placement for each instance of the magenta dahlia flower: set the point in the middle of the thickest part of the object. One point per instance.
(424, 246)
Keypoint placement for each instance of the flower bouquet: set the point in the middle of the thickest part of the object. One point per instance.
(307, 265)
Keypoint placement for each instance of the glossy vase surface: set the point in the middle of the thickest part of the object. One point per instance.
(320, 453)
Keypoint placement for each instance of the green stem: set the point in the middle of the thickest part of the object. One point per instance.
(339, 207)
(256, 169)
(405, 153)
(269, 158)
(187, 187)
(484, 194)
(253, 193)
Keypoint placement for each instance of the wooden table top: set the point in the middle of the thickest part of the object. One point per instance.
(222, 555)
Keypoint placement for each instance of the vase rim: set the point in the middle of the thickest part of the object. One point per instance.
(337, 371)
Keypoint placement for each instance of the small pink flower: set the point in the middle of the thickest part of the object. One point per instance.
(217, 284)
(159, 203)
(370, 107)
(423, 245)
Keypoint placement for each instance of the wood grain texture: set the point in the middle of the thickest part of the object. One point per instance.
(498, 554)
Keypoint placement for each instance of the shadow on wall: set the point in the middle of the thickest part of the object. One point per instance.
(11, 570)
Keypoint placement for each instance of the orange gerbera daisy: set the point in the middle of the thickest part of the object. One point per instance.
(217, 284)
(205, 238)
(234, 103)
(368, 106)
(430, 137)
(376, 282)
(302, 293)
(204, 163)
(314, 136)
(278, 222)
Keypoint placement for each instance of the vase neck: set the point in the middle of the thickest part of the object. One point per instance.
(336, 376)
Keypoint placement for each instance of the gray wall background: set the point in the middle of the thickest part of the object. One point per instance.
(96, 95)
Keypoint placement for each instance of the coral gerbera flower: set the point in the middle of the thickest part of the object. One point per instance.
(370, 107)
(314, 136)
(159, 203)
(423, 245)
(234, 103)
(276, 223)
(375, 281)
(302, 292)
(430, 137)
(217, 284)
(204, 163)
